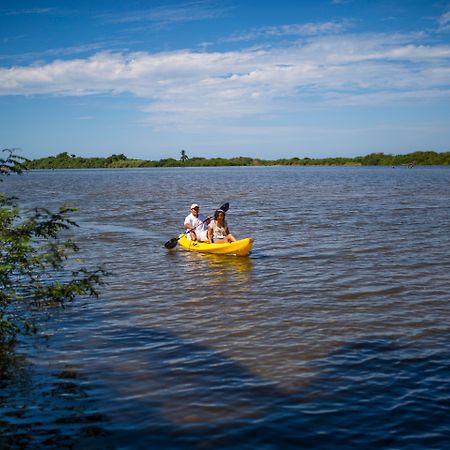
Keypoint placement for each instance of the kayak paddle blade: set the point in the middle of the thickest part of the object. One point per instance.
(172, 243)
(225, 207)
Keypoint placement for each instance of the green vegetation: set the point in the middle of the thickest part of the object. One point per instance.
(66, 161)
(37, 268)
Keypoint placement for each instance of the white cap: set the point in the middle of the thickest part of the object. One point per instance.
(194, 205)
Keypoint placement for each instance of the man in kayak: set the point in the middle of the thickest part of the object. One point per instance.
(196, 224)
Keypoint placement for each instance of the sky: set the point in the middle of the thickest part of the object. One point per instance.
(224, 78)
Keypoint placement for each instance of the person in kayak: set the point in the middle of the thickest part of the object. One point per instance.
(218, 232)
(195, 224)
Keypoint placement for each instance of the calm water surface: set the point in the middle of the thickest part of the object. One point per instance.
(334, 333)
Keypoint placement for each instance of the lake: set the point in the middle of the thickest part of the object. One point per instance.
(333, 333)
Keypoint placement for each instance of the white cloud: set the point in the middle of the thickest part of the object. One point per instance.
(188, 89)
(297, 30)
(31, 11)
(56, 52)
(444, 21)
(167, 15)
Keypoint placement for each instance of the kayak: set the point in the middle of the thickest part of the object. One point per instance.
(238, 248)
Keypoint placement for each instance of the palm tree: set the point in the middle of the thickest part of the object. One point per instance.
(184, 157)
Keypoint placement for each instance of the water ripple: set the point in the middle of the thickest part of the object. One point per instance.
(332, 334)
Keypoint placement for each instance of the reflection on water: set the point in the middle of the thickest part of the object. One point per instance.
(220, 269)
(337, 321)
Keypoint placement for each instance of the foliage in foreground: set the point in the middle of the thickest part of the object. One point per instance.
(66, 161)
(36, 265)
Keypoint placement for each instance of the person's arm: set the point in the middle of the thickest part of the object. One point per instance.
(209, 234)
(227, 230)
(230, 237)
(188, 224)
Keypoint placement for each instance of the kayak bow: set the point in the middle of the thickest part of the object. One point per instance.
(238, 248)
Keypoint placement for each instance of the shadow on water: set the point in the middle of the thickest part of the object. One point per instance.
(51, 411)
(369, 394)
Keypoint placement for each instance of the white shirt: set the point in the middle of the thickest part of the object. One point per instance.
(196, 222)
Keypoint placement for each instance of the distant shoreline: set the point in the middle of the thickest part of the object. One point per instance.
(66, 161)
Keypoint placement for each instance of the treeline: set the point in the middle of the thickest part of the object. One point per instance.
(66, 161)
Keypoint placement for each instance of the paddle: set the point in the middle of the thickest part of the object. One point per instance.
(174, 241)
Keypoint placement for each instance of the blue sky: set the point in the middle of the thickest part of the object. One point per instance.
(268, 79)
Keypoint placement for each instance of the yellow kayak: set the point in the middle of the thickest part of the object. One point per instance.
(238, 248)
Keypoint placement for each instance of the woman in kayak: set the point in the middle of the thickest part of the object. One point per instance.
(218, 232)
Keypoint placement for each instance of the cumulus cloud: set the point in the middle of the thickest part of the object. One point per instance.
(187, 89)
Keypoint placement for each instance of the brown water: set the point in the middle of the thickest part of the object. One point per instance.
(333, 333)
